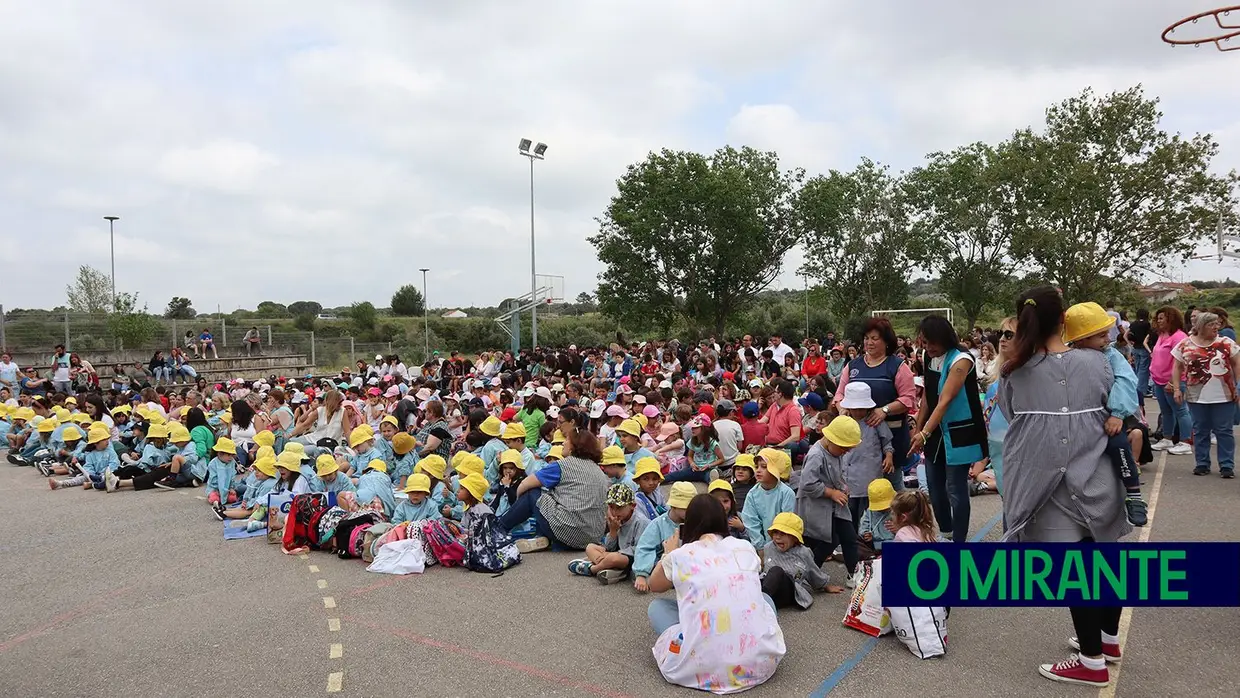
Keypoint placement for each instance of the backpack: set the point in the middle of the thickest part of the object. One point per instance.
(444, 538)
(488, 548)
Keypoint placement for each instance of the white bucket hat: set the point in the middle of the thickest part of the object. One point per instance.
(857, 396)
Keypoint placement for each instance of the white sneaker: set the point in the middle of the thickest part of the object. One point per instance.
(1161, 445)
(529, 545)
(110, 480)
(851, 582)
(1181, 449)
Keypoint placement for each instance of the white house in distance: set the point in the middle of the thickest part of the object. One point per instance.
(1165, 291)
(454, 314)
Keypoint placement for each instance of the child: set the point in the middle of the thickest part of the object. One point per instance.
(70, 454)
(473, 490)
(742, 478)
(650, 544)
(721, 490)
(789, 574)
(489, 453)
(511, 473)
(1087, 326)
(254, 502)
(362, 441)
(872, 530)
(514, 438)
(404, 458)
(705, 454)
(912, 518)
(873, 457)
(98, 463)
(822, 500)
(328, 478)
(288, 474)
(388, 429)
(648, 477)
(375, 484)
(613, 466)
(434, 466)
(612, 560)
(220, 472)
(418, 506)
(630, 434)
(769, 498)
(183, 462)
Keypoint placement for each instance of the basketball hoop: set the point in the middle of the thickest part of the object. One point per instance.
(1222, 41)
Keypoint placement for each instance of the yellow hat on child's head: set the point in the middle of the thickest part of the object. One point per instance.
(629, 427)
(389, 419)
(790, 523)
(491, 426)
(47, 426)
(514, 430)
(225, 445)
(647, 465)
(476, 485)
(1085, 320)
(325, 465)
(418, 482)
(721, 484)
(843, 431)
(266, 465)
(265, 451)
(682, 493)
(613, 455)
(265, 438)
(774, 459)
(81, 418)
(97, 435)
(177, 433)
(158, 419)
(557, 437)
(556, 453)
(23, 413)
(360, 435)
(745, 460)
(377, 464)
(290, 461)
(157, 431)
(71, 433)
(433, 465)
(470, 463)
(880, 494)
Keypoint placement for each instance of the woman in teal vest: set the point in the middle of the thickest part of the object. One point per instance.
(950, 425)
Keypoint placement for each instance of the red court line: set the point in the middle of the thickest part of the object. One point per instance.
(493, 660)
(60, 620)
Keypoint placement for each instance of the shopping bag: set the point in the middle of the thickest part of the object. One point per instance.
(922, 630)
(399, 557)
(865, 610)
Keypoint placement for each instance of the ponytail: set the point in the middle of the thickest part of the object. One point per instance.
(1039, 314)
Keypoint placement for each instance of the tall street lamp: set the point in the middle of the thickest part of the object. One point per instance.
(112, 243)
(538, 153)
(426, 323)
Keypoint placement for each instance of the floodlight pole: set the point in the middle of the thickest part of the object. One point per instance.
(535, 154)
(112, 244)
(426, 323)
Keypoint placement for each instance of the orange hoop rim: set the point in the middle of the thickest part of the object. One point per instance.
(1230, 30)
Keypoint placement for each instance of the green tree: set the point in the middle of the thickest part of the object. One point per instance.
(857, 240)
(90, 292)
(694, 236)
(962, 207)
(1107, 193)
(271, 309)
(363, 316)
(407, 301)
(304, 322)
(304, 308)
(132, 327)
(180, 309)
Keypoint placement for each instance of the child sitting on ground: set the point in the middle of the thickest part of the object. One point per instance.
(403, 459)
(769, 498)
(328, 478)
(68, 456)
(611, 561)
(613, 465)
(872, 531)
(742, 478)
(1087, 326)
(789, 574)
(254, 502)
(511, 473)
(721, 490)
(873, 457)
(418, 506)
(912, 518)
(98, 462)
(473, 489)
(650, 545)
(220, 472)
(648, 476)
(374, 484)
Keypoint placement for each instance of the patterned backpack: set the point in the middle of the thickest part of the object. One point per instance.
(445, 541)
(488, 548)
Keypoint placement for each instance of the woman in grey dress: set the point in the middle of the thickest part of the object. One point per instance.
(1058, 484)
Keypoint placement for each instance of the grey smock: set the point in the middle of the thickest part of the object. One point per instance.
(1059, 485)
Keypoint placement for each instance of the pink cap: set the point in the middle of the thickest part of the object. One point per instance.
(617, 411)
(700, 421)
(651, 411)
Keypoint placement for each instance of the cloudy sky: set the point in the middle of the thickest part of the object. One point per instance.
(313, 149)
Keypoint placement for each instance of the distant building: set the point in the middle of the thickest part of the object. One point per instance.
(454, 314)
(1165, 291)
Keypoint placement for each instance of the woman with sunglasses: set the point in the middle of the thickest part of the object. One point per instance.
(986, 475)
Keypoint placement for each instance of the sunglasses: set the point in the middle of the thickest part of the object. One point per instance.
(1007, 334)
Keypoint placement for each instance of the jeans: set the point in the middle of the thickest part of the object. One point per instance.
(1141, 357)
(664, 613)
(949, 495)
(525, 507)
(1169, 413)
(163, 373)
(1214, 418)
(687, 475)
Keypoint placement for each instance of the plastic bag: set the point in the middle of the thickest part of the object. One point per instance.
(922, 630)
(865, 610)
(399, 557)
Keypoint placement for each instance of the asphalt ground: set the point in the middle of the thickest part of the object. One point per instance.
(137, 594)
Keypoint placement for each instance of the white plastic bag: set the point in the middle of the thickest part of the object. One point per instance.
(922, 630)
(865, 609)
(399, 557)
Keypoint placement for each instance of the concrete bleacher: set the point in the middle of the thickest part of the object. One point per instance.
(280, 362)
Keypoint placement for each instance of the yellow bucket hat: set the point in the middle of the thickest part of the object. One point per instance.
(1085, 320)
(880, 493)
(390, 419)
(491, 426)
(418, 483)
(642, 420)
(265, 438)
(325, 465)
(177, 433)
(81, 418)
(266, 465)
(157, 431)
(557, 437)
(24, 413)
(843, 431)
(158, 419)
(402, 443)
(476, 485)
(790, 523)
(70, 400)
(745, 460)
(630, 427)
(265, 452)
(473, 464)
(721, 485)
(290, 461)
(647, 465)
(556, 453)
(97, 435)
(774, 459)
(514, 430)
(225, 445)
(296, 447)
(433, 465)
(512, 456)
(377, 464)
(122, 409)
(613, 455)
(682, 493)
(47, 426)
(360, 435)
(71, 433)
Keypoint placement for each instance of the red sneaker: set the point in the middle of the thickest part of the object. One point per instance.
(1071, 670)
(1110, 651)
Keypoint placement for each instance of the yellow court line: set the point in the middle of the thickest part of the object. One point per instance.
(314, 569)
(336, 651)
(329, 602)
(333, 625)
(322, 583)
(1125, 619)
(335, 681)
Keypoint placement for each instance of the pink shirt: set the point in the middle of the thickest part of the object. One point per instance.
(780, 420)
(1160, 358)
(909, 534)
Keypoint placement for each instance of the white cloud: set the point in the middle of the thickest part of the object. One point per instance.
(223, 164)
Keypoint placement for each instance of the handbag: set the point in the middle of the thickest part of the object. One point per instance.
(445, 541)
(865, 610)
(488, 548)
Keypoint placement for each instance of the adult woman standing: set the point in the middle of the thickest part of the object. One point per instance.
(721, 633)
(1208, 363)
(950, 425)
(996, 423)
(891, 387)
(1170, 326)
(1059, 486)
(567, 499)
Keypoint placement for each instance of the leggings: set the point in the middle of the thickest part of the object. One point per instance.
(1090, 622)
(842, 534)
(780, 587)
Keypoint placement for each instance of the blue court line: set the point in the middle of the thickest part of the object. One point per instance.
(843, 670)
